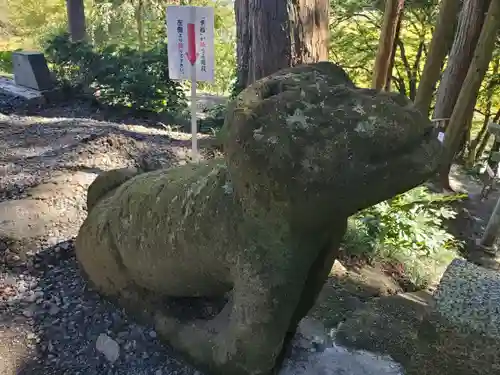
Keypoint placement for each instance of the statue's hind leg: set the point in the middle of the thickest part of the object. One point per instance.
(99, 258)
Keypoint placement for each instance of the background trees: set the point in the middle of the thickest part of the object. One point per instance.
(276, 35)
(423, 50)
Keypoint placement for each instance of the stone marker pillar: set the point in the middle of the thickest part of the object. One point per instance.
(30, 70)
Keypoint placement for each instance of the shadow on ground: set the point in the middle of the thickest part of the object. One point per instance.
(66, 317)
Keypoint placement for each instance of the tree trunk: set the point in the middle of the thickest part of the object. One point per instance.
(76, 19)
(139, 12)
(470, 89)
(495, 147)
(272, 35)
(441, 42)
(309, 30)
(471, 157)
(468, 31)
(388, 80)
(392, 14)
(486, 138)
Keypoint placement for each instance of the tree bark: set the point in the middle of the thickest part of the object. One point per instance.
(272, 35)
(466, 38)
(471, 157)
(470, 89)
(139, 12)
(388, 79)
(441, 42)
(392, 14)
(495, 147)
(76, 19)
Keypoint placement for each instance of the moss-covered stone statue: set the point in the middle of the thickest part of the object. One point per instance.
(304, 149)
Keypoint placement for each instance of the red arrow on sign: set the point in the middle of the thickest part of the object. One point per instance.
(191, 54)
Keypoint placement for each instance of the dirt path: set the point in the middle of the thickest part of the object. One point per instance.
(49, 319)
(473, 216)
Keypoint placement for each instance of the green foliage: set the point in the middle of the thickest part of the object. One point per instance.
(117, 75)
(115, 22)
(6, 61)
(125, 23)
(355, 32)
(408, 230)
(214, 119)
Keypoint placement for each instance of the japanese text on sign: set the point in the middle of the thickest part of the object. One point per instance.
(180, 45)
(178, 19)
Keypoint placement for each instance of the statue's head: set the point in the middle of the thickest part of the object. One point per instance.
(308, 138)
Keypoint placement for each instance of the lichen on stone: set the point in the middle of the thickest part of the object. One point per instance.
(264, 222)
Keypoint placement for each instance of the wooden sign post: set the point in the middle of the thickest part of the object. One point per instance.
(190, 33)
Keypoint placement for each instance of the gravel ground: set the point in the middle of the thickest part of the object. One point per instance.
(71, 330)
(51, 322)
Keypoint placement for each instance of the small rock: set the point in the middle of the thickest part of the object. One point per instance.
(64, 245)
(152, 334)
(158, 372)
(52, 241)
(108, 347)
(54, 310)
(338, 269)
(13, 259)
(10, 280)
(28, 313)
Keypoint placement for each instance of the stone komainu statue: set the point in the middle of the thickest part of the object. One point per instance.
(304, 149)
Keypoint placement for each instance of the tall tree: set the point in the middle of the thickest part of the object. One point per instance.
(392, 60)
(442, 40)
(490, 92)
(272, 35)
(469, 91)
(392, 14)
(139, 14)
(466, 38)
(76, 19)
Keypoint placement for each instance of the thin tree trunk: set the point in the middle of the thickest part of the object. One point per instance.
(468, 31)
(441, 42)
(76, 19)
(464, 143)
(139, 12)
(392, 13)
(476, 143)
(495, 147)
(486, 138)
(470, 88)
(392, 60)
(272, 35)
(471, 157)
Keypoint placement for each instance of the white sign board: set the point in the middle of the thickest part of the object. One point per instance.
(190, 31)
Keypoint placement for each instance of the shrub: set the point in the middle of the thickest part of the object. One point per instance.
(117, 75)
(408, 230)
(214, 119)
(6, 62)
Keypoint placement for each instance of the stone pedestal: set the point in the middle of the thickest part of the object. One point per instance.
(30, 70)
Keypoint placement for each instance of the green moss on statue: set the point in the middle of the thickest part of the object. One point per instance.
(304, 149)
